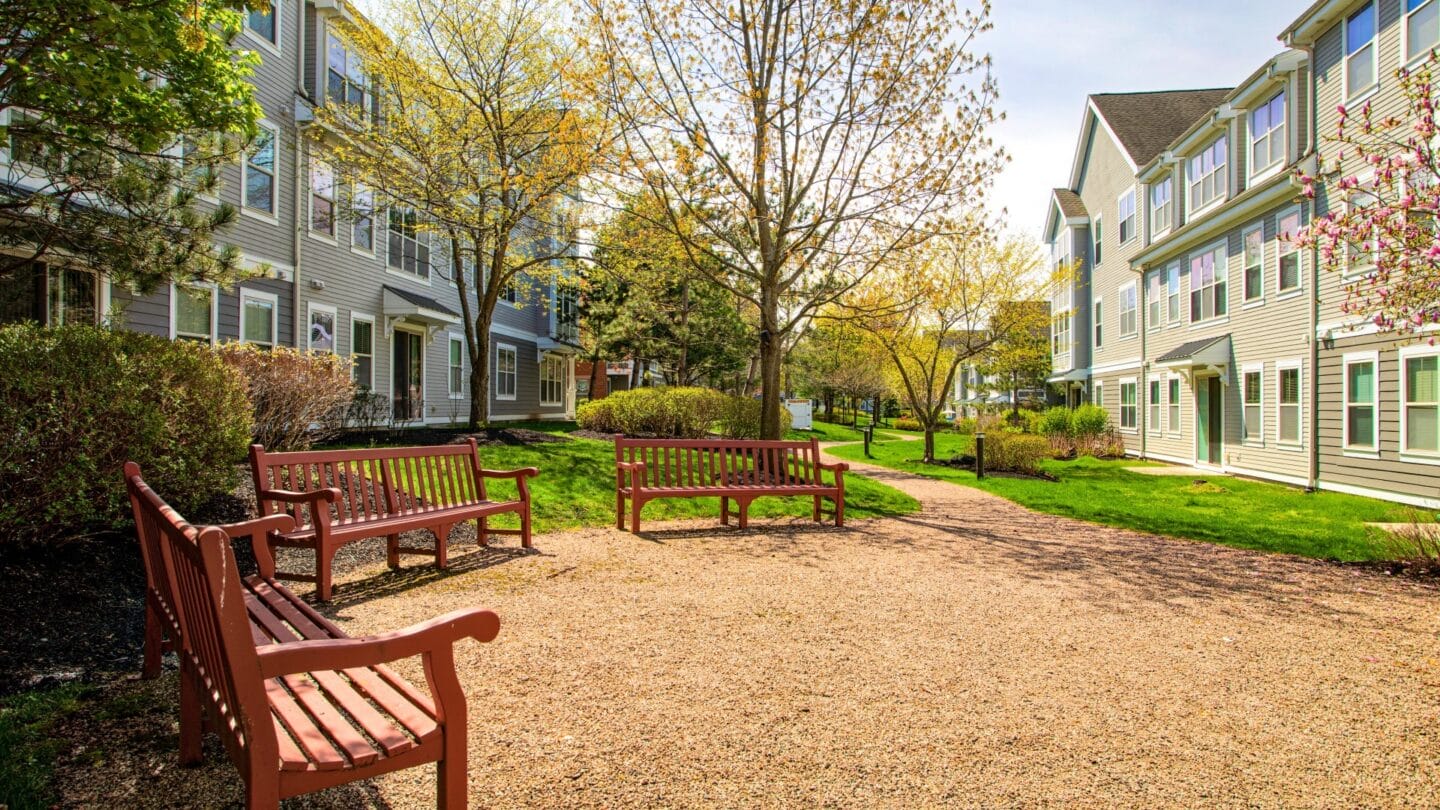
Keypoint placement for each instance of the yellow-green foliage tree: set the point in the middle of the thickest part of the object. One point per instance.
(481, 125)
(798, 144)
(950, 304)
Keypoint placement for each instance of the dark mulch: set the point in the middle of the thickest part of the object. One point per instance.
(968, 463)
(593, 434)
(436, 435)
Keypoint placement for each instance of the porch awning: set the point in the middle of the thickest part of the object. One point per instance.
(415, 307)
(1213, 352)
(1074, 375)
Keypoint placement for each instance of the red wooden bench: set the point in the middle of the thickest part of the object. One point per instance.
(647, 469)
(341, 496)
(298, 704)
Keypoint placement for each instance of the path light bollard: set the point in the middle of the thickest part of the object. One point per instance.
(979, 454)
(869, 435)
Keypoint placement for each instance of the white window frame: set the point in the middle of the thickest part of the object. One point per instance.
(1222, 275)
(1299, 442)
(1097, 393)
(214, 290)
(1353, 271)
(1353, 93)
(1219, 173)
(1245, 299)
(1097, 241)
(1158, 230)
(514, 373)
(548, 362)
(1132, 291)
(1412, 60)
(317, 164)
(1280, 131)
(1155, 299)
(334, 320)
(367, 91)
(1134, 384)
(1407, 353)
(1097, 322)
(1174, 412)
(1174, 303)
(1347, 441)
(1281, 252)
(273, 215)
(358, 191)
(1155, 404)
(421, 237)
(1252, 435)
(364, 317)
(277, 16)
(454, 384)
(1123, 235)
(274, 301)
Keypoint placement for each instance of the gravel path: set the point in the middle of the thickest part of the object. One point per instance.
(974, 654)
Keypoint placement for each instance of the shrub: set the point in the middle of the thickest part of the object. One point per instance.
(965, 426)
(78, 402)
(598, 415)
(1057, 422)
(296, 397)
(1034, 421)
(369, 409)
(910, 423)
(740, 418)
(680, 413)
(1090, 420)
(1015, 452)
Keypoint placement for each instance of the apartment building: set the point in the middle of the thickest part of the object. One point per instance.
(372, 287)
(1192, 317)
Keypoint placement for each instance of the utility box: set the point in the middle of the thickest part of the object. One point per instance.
(801, 413)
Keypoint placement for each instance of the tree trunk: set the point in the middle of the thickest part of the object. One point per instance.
(772, 354)
(929, 444)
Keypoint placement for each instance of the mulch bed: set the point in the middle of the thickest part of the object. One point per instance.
(967, 463)
(430, 436)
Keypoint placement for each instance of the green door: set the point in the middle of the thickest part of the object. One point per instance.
(1209, 401)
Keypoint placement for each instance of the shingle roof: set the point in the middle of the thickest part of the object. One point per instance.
(1070, 203)
(1187, 350)
(422, 301)
(1146, 123)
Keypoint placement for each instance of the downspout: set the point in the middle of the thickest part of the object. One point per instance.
(296, 248)
(1313, 449)
(1144, 419)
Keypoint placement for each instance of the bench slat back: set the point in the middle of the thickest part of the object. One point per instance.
(706, 463)
(214, 641)
(373, 483)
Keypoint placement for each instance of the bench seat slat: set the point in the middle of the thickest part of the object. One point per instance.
(316, 748)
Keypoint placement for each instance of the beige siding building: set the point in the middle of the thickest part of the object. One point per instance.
(1195, 321)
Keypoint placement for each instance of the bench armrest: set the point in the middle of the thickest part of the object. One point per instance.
(346, 653)
(259, 531)
(523, 472)
(631, 466)
(840, 467)
(328, 495)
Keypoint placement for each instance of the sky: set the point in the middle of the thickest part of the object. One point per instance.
(1050, 54)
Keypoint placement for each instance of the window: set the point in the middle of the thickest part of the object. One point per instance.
(1172, 400)
(265, 24)
(1289, 262)
(1360, 256)
(457, 367)
(1161, 207)
(345, 82)
(409, 245)
(1288, 404)
(1098, 322)
(1267, 135)
(1172, 293)
(362, 352)
(257, 318)
(1154, 299)
(50, 296)
(362, 223)
(259, 171)
(1207, 285)
(1251, 393)
(1153, 425)
(1208, 175)
(1099, 241)
(1129, 413)
(1060, 305)
(322, 328)
(554, 374)
(1362, 405)
(1254, 253)
(1127, 216)
(1360, 53)
(1422, 27)
(505, 365)
(1420, 403)
(1097, 394)
(1129, 310)
(322, 198)
(510, 293)
(29, 144)
(195, 312)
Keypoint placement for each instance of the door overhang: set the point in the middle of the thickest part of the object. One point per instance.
(1207, 357)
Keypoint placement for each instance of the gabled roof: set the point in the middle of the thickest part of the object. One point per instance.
(1145, 123)
(422, 301)
(1070, 203)
(1215, 349)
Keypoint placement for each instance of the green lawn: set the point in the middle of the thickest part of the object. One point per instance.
(576, 487)
(826, 432)
(1233, 511)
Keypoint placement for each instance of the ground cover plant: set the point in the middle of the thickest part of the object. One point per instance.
(1229, 511)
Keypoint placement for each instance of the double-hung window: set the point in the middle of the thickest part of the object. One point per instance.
(1127, 216)
(1252, 393)
(1060, 322)
(266, 24)
(195, 312)
(322, 328)
(457, 367)
(1420, 401)
(362, 222)
(1361, 51)
(1153, 425)
(1154, 299)
(1267, 135)
(1287, 403)
(1172, 401)
(345, 82)
(1422, 27)
(1129, 310)
(1097, 394)
(1098, 321)
(1162, 205)
(1208, 296)
(1288, 265)
(362, 352)
(1172, 293)
(1254, 246)
(1208, 174)
(261, 188)
(554, 373)
(1362, 403)
(1099, 230)
(1129, 408)
(505, 371)
(257, 317)
(409, 243)
(322, 198)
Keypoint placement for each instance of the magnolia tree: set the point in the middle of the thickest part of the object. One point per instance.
(1381, 223)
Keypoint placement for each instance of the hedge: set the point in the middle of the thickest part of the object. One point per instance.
(682, 412)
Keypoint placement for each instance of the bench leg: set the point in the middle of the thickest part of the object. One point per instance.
(392, 551)
(191, 727)
(442, 551)
(635, 504)
(154, 643)
(262, 792)
(323, 558)
(525, 541)
(724, 511)
(815, 513)
(482, 532)
(744, 504)
(840, 509)
(620, 511)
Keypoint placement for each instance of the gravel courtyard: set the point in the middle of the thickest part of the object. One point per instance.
(975, 654)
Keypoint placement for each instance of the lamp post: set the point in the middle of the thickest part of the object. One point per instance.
(979, 454)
